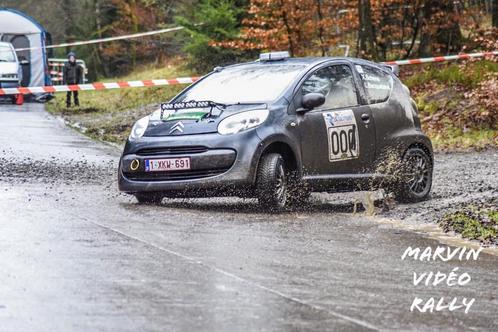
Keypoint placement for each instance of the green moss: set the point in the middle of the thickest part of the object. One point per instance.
(493, 215)
(427, 108)
(455, 138)
(474, 223)
(453, 73)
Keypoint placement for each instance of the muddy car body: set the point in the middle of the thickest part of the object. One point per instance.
(278, 129)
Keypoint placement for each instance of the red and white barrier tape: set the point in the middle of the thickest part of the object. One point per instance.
(104, 40)
(189, 80)
(441, 58)
(98, 86)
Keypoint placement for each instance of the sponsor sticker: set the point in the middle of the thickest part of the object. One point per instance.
(343, 137)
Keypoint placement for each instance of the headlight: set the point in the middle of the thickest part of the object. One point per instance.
(242, 121)
(139, 128)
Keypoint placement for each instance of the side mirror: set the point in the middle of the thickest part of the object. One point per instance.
(313, 100)
(24, 62)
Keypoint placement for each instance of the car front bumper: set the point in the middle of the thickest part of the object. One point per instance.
(220, 165)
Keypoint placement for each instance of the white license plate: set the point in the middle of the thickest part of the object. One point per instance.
(164, 165)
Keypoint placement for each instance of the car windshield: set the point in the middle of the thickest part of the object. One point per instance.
(6, 54)
(244, 84)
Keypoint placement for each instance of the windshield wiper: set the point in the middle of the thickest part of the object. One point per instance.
(240, 103)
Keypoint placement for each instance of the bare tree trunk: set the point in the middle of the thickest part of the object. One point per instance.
(321, 32)
(424, 48)
(68, 22)
(494, 13)
(100, 47)
(134, 20)
(366, 32)
(439, 34)
(289, 30)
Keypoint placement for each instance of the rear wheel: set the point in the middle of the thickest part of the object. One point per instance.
(272, 182)
(416, 181)
(148, 198)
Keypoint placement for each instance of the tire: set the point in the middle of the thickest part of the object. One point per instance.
(149, 198)
(272, 183)
(13, 100)
(416, 180)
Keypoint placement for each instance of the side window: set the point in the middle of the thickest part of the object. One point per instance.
(335, 83)
(378, 84)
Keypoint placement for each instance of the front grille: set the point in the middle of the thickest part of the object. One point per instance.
(171, 150)
(175, 176)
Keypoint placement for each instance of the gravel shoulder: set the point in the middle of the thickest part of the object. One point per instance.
(460, 179)
(79, 256)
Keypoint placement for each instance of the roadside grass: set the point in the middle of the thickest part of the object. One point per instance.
(438, 90)
(125, 99)
(468, 75)
(456, 139)
(474, 222)
(109, 114)
(450, 101)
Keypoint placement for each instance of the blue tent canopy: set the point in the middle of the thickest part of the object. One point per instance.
(25, 32)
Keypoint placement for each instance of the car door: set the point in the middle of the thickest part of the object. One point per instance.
(393, 116)
(338, 138)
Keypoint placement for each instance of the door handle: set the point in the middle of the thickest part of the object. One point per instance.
(365, 117)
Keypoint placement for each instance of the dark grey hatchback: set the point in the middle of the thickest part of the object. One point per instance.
(279, 128)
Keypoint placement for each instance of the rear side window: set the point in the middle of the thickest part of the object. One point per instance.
(377, 84)
(335, 83)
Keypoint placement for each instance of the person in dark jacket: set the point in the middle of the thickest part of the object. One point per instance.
(73, 74)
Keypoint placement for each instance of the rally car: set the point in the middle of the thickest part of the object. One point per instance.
(279, 128)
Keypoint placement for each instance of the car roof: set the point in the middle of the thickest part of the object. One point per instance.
(309, 62)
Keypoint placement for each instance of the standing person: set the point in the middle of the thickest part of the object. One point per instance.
(73, 74)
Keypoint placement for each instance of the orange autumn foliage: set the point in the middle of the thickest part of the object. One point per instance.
(398, 28)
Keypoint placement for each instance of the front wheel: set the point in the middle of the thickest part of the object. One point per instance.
(148, 198)
(272, 182)
(416, 181)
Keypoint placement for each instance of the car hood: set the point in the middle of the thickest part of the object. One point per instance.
(8, 68)
(193, 121)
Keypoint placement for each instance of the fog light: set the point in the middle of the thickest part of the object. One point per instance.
(134, 164)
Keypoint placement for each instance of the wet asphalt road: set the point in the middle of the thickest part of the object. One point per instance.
(76, 255)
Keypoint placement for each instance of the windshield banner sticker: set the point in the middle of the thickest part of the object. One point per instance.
(342, 133)
(191, 110)
(187, 105)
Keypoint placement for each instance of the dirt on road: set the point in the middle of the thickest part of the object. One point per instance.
(77, 255)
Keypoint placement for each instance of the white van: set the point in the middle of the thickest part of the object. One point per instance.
(10, 68)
